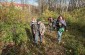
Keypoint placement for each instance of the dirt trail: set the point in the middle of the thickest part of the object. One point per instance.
(53, 48)
(49, 47)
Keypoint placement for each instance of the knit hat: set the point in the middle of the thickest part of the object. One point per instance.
(39, 19)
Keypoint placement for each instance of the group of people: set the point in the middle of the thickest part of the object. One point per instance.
(59, 25)
(38, 28)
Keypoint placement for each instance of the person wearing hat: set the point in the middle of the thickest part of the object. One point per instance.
(41, 30)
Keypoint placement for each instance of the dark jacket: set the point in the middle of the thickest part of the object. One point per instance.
(60, 24)
(34, 27)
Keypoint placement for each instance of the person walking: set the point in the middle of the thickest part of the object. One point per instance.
(33, 26)
(41, 31)
(61, 27)
(50, 23)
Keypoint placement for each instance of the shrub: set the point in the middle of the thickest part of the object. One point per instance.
(48, 13)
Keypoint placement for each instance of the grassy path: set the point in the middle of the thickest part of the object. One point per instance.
(49, 47)
(73, 43)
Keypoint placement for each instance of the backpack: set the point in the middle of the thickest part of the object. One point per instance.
(61, 29)
(34, 27)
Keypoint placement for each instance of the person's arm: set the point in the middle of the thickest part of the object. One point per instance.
(30, 23)
(35, 28)
(43, 30)
(65, 26)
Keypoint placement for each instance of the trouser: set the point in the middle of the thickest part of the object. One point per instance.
(50, 26)
(33, 35)
(54, 27)
(41, 38)
(36, 37)
(59, 36)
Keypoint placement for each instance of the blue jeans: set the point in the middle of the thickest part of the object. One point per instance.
(59, 36)
(36, 37)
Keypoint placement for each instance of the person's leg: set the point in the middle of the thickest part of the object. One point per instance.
(41, 38)
(50, 27)
(53, 27)
(36, 38)
(33, 37)
(59, 36)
